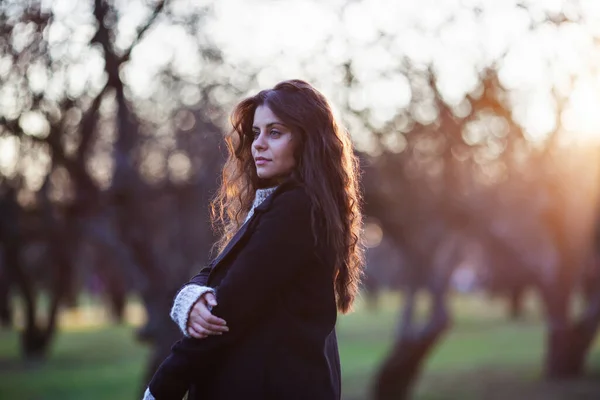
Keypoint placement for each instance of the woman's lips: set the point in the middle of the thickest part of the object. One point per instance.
(262, 161)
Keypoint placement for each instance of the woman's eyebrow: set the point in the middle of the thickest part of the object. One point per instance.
(270, 124)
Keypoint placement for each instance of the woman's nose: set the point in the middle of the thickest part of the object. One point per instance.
(259, 142)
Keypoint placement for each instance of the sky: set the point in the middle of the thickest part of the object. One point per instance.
(304, 38)
(310, 39)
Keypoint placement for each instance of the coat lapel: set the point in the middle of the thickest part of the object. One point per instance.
(234, 240)
(245, 228)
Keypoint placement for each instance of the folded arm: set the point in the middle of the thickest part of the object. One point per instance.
(280, 247)
(183, 303)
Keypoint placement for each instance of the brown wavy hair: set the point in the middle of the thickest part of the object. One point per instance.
(325, 165)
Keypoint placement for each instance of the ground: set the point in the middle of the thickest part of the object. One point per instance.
(483, 357)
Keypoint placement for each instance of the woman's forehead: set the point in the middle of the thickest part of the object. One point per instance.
(264, 116)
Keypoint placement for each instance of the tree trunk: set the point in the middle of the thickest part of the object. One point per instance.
(35, 342)
(561, 362)
(573, 349)
(402, 367)
(37, 337)
(568, 343)
(516, 298)
(6, 315)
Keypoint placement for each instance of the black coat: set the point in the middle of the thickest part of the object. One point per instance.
(274, 285)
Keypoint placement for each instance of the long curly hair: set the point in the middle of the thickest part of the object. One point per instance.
(325, 165)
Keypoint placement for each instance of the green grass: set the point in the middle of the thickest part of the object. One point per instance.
(99, 364)
(483, 356)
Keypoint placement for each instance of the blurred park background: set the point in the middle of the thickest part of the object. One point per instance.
(477, 123)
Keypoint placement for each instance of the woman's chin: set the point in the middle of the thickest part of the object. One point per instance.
(264, 176)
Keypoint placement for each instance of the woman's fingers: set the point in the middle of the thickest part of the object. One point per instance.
(212, 322)
(210, 298)
(202, 330)
(201, 322)
(201, 317)
(196, 334)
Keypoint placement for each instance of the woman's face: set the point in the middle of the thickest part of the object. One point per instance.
(273, 146)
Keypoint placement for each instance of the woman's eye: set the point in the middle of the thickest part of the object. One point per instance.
(255, 134)
(275, 133)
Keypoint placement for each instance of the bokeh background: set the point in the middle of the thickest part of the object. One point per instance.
(477, 123)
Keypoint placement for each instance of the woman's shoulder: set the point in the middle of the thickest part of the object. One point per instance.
(289, 195)
(294, 199)
(294, 192)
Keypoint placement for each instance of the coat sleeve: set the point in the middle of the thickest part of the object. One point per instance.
(280, 247)
(187, 296)
(200, 278)
(183, 303)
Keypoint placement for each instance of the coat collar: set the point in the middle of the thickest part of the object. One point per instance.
(258, 211)
(284, 186)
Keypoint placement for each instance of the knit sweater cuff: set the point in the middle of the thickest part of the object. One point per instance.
(148, 395)
(183, 303)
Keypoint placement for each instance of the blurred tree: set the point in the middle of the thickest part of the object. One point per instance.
(111, 137)
(445, 172)
(109, 178)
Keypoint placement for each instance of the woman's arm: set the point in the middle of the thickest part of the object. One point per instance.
(183, 303)
(281, 246)
(192, 303)
(200, 278)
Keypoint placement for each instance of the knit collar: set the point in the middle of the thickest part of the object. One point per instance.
(259, 197)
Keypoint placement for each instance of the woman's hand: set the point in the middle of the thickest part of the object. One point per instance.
(201, 322)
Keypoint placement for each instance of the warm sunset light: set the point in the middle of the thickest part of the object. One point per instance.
(582, 117)
(316, 199)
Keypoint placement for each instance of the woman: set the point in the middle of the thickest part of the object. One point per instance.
(290, 258)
